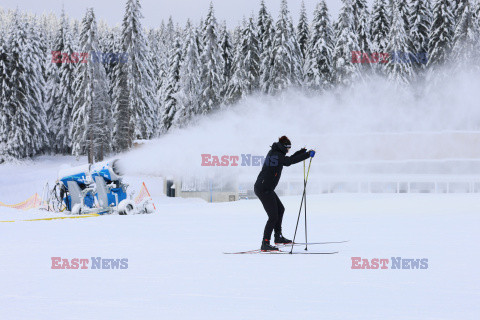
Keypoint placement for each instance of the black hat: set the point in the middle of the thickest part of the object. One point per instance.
(285, 141)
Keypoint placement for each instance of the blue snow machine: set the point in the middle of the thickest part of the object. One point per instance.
(97, 189)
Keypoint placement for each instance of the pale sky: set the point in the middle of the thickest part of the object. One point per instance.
(156, 10)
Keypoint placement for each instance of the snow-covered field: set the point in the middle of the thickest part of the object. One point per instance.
(177, 269)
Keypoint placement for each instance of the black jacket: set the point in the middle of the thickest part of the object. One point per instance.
(272, 167)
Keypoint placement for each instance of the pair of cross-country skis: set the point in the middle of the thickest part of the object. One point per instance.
(289, 246)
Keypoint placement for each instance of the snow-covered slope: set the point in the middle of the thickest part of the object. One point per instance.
(177, 269)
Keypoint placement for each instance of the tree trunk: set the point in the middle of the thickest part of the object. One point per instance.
(90, 151)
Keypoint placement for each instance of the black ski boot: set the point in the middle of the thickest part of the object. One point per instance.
(267, 247)
(280, 239)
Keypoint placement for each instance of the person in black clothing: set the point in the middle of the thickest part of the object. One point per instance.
(266, 183)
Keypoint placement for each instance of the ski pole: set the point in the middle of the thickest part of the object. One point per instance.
(301, 203)
(305, 188)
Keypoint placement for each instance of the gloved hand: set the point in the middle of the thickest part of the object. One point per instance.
(301, 151)
(312, 153)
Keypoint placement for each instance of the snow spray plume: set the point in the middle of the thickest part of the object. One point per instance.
(354, 130)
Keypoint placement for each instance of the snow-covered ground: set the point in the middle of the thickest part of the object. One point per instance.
(177, 269)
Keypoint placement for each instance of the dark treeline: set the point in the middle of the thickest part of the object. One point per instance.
(139, 84)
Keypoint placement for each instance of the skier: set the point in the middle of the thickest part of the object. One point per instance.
(265, 185)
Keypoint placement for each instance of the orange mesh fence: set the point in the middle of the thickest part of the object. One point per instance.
(33, 202)
(143, 194)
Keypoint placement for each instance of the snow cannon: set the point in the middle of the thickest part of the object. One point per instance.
(108, 170)
(97, 188)
(110, 189)
(76, 182)
(80, 175)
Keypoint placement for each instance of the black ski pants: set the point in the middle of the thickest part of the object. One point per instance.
(274, 208)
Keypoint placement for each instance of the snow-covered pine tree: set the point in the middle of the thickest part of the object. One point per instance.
(4, 92)
(170, 86)
(361, 22)
(42, 32)
(190, 83)
(47, 26)
(246, 67)
(441, 33)
(318, 61)
(152, 93)
(200, 30)
(227, 53)
(346, 41)
(476, 18)
(169, 34)
(380, 26)
(111, 44)
(156, 60)
(161, 41)
(265, 36)
(476, 10)
(303, 32)
(4, 86)
(91, 128)
(286, 68)
(390, 4)
(166, 35)
(420, 19)
(75, 27)
(457, 9)
(160, 33)
(264, 26)
(4, 82)
(24, 109)
(106, 43)
(236, 34)
(466, 40)
(399, 67)
(226, 47)
(134, 103)
(117, 47)
(212, 65)
(60, 88)
(123, 111)
(2, 20)
(403, 7)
